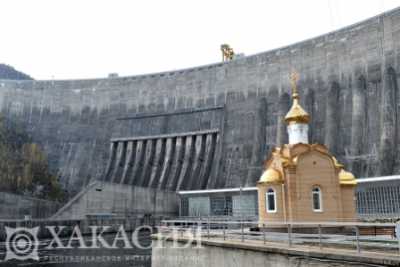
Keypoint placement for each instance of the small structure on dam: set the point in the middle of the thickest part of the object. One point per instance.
(302, 181)
(227, 202)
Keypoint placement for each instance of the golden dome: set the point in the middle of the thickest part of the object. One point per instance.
(271, 176)
(296, 113)
(346, 178)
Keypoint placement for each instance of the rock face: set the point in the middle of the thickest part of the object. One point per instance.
(212, 126)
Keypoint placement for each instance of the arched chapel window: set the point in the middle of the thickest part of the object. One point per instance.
(317, 199)
(271, 200)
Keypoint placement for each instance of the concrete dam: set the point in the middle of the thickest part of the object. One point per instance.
(212, 126)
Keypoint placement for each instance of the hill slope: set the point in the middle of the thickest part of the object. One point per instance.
(9, 73)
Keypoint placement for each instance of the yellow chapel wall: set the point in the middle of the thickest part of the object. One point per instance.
(265, 216)
(348, 203)
(316, 169)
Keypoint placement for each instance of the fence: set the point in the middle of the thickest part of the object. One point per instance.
(377, 237)
(378, 198)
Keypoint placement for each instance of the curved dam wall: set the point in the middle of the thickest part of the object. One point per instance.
(212, 126)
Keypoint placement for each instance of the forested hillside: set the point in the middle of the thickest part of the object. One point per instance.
(23, 164)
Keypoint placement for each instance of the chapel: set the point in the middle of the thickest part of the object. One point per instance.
(302, 181)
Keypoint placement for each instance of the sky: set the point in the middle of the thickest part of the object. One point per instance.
(72, 39)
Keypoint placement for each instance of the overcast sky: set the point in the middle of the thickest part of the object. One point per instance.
(69, 39)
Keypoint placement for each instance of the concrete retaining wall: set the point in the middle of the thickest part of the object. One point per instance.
(14, 206)
(119, 200)
(239, 256)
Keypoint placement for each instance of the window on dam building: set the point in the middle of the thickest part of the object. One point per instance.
(317, 199)
(221, 206)
(231, 202)
(271, 200)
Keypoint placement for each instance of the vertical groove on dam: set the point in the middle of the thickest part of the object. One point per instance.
(168, 165)
(175, 163)
(180, 160)
(284, 105)
(271, 120)
(259, 150)
(210, 158)
(110, 165)
(207, 150)
(188, 174)
(127, 160)
(332, 118)
(310, 107)
(195, 161)
(160, 165)
(156, 162)
(116, 161)
(137, 174)
(201, 148)
(389, 117)
(130, 163)
(120, 165)
(168, 150)
(143, 164)
(139, 147)
(358, 121)
(149, 164)
(185, 165)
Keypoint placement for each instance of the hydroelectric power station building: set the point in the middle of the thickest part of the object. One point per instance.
(211, 127)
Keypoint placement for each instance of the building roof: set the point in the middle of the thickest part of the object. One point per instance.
(222, 190)
(287, 156)
(347, 178)
(379, 179)
(271, 175)
(296, 113)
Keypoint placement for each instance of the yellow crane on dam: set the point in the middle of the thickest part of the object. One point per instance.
(227, 52)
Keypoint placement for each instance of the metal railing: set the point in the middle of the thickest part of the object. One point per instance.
(359, 236)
